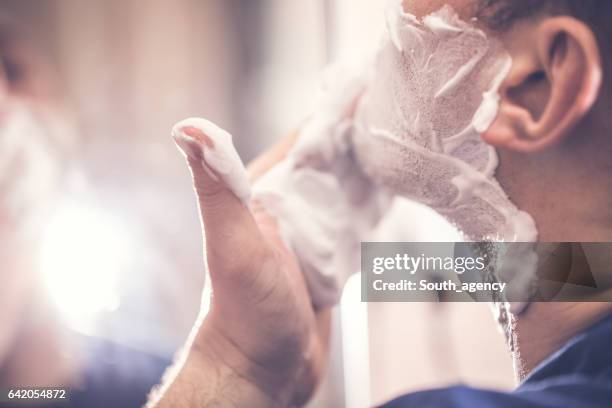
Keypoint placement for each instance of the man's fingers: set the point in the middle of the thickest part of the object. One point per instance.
(234, 243)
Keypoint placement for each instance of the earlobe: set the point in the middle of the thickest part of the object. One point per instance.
(562, 73)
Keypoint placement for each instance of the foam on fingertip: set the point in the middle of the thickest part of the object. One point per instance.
(202, 140)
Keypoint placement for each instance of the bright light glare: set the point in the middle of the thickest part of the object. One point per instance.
(83, 252)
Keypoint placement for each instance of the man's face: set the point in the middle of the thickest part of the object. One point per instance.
(467, 10)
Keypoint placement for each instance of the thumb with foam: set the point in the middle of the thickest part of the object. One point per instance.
(260, 310)
(233, 240)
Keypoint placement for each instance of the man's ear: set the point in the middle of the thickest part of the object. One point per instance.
(553, 83)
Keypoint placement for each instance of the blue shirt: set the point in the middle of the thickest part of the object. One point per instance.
(113, 376)
(579, 375)
(116, 376)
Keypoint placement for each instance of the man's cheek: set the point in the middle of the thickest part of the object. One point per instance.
(417, 131)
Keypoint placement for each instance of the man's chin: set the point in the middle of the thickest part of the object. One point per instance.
(503, 317)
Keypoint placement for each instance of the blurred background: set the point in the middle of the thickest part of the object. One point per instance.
(121, 254)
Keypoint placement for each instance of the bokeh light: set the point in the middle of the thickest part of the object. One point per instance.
(83, 252)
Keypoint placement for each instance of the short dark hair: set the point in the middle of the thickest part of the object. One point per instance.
(501, 14)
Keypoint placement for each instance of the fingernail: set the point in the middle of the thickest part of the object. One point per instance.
(187, 143)
(192, 142)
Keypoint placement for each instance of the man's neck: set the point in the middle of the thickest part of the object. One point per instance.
(546, 327)
(566, 188)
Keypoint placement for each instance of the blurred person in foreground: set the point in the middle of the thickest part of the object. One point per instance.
(263, 345)
(35, 349)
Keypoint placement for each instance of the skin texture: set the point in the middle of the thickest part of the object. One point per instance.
(552, 135)
(262, 343)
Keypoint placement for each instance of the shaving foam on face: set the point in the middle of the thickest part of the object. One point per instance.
(417, 130)
(432, 92)
(203, 140)
(415, 134)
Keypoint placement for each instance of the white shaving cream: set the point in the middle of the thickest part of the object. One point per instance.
(205, 141)
(415, 134)
(417, 130)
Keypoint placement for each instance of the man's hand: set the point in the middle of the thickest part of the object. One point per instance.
(261, 343)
